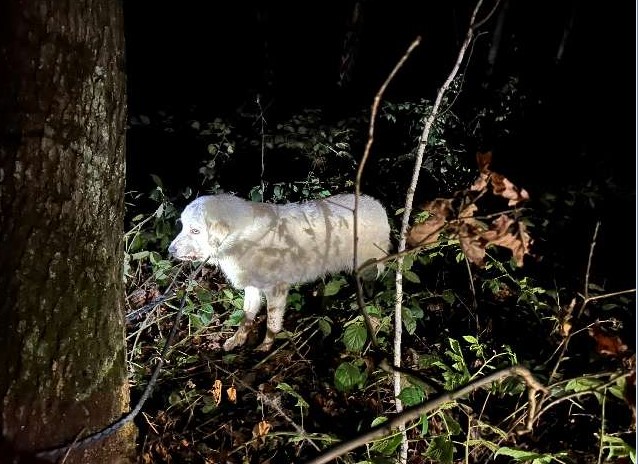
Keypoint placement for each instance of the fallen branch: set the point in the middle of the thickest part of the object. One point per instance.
(417, 411)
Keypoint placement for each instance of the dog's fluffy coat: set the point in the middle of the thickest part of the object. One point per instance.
(263, 247)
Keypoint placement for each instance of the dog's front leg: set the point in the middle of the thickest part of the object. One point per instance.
(252, 304)
(276, 306)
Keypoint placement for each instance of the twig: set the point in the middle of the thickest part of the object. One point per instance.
(471, 279)
(273, 404)
(602, 428)
(409, 199)
(592, 390)
(262, 119)
(357, 188)
(357, 184)
(415, 412)
(589, 260)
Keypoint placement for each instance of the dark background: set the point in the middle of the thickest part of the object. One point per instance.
(215, 57)
(208, 59)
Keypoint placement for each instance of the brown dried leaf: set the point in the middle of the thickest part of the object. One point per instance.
(261, 429)
(468, 211)
(472, 242)
(473, 235)
(506, 232)
(217, 391)
(503, 187)
(137, 299)
(607, 344)
(480, 184)
(232, 394)
(428, 231)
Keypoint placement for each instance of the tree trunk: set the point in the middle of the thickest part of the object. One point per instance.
(62, 344)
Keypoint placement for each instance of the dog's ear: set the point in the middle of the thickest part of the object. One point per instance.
(217, 230)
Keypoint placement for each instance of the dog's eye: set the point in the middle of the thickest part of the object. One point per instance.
(194, 231)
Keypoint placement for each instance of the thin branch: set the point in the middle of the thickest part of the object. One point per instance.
(417, 411)
(409, 199)
(609, 295)
(272, 403)
(589, 260)
(375, 108)
(591, 391)
(357, 184)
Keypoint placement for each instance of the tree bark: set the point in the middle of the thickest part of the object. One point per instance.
(62, 344)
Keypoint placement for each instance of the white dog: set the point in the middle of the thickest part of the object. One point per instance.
(263, 247)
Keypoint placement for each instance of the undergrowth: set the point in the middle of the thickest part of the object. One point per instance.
(322, 384)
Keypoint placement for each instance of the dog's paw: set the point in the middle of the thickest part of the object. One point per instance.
(264, 347)
(234, 341)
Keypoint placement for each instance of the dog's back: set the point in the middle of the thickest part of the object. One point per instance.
(300, 242)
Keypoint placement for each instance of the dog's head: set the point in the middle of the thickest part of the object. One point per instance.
(203, 230)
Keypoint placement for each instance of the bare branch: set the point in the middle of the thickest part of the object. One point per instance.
(417, 411)
(409, 199)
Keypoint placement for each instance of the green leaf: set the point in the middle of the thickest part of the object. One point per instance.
(388, 445)
(441, 450)
(411, 277)
(140, 255)
(453, 427)
(425, 425)
(582, 383)
(157, 180)
(519, 455)
(470, 339)
(235, 318)
(301, 403)
(428, 360)
(196, 321)
(617, 448)
(408, 320)
(205, 317)
(472, 443)
(412, 395)
(448, 296)
(324, 326)
(347, 377)
(209, 405)
(378, 420)
(355, 336)
(333, 286)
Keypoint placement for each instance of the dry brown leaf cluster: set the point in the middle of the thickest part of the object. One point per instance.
(456, 216)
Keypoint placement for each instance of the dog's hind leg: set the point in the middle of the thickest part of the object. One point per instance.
(252, 304)
(276, 305)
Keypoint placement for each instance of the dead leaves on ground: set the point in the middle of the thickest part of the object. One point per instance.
(456, 217)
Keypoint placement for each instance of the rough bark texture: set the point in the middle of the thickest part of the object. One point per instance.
(62, 107)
